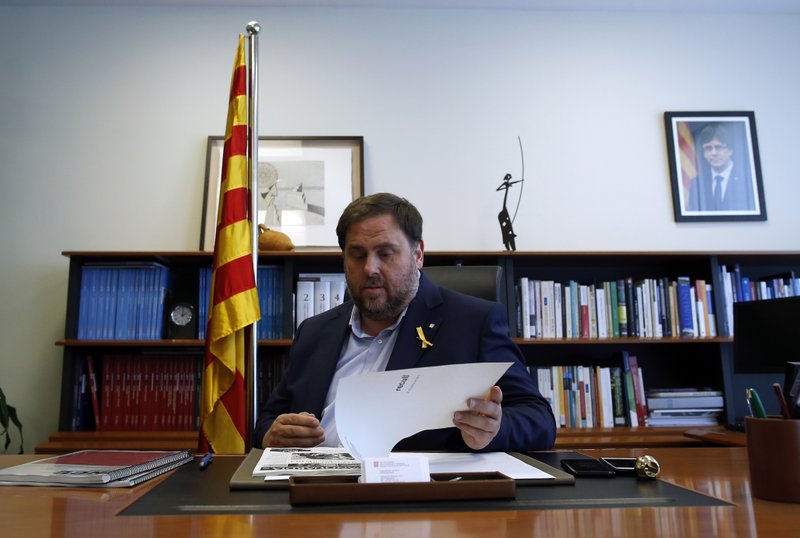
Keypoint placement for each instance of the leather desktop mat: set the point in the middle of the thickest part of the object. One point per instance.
(243, 477)
(191, 491)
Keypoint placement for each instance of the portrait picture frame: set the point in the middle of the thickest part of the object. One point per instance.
(707, 149)
(304, 184)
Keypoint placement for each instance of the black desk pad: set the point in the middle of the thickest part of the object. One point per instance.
(191, 491)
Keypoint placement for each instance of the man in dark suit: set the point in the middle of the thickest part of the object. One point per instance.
(399, 319)
(726, 187)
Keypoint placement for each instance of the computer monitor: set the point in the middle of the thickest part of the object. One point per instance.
(766, 335)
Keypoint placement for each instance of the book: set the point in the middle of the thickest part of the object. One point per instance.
(545, 385)
(337, 294)
(592, 311)
(607, 399)
(566, 310)
(712, 317)
(270, 301)
(618, 395)
(702, 307)
(687, 402)
(685, 306)
(144, 476)
(629, 302)
(525, 302)
(699, 319)
(322, 299)
(582, 407)
(682, 421)
(93, 388)
(727, 300)
(536, 306)
(601, 305)
(304, 301)
(683, 392)
(613, 308)
(569, 399)
(123, 300)
(632, 415)
(673, 308)
(642, 309)
(590, 396)
(638, 387)
(95, 468)
(584, 310)
(568, 321)
(622, 308)
(314, 293)
(533, 308)
(666, 306)
(577, 312)
(548, 309)
(737, 283)
(559, 403)
(560, 317)
(689, 412)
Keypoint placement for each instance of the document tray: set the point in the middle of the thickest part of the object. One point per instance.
(305, 490)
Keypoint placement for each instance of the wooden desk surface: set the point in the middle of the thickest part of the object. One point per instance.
(717, 471)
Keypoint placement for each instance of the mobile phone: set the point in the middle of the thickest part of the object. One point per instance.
(621, 465)
(587, 467)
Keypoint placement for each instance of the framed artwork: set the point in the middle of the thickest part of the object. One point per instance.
(714, 167)
(304, 184)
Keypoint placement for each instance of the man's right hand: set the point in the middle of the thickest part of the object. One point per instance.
(294, 429)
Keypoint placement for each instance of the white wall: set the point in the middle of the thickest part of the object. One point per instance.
(104, 114)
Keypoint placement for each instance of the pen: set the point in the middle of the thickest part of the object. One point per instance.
(748, 400)
(206, 461)
(782, 401)
(758, 407)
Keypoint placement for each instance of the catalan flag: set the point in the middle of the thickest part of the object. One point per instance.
(688, 155)
(234, 298)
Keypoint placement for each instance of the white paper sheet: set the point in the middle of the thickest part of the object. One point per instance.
(374, 411)
(484, 462)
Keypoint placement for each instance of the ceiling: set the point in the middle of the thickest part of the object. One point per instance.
(752, 6)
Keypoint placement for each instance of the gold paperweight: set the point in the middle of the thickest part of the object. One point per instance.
(647, 467)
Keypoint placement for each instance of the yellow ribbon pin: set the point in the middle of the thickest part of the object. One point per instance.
(421, 336)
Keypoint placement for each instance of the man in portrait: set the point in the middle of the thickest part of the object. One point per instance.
(725, 183)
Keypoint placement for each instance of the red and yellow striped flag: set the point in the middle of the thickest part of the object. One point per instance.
(688, 155)
(234, 298)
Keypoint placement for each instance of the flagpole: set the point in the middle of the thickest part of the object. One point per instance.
(253, 29)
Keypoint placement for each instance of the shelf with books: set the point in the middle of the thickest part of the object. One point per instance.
(118, 389)
(570, 375)
(753, 277)
(695, 361)
(619, 296)
(620, 341)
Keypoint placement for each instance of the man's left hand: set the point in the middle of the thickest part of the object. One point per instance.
(481, 422)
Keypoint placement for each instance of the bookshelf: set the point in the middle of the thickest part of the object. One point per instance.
(665, 361)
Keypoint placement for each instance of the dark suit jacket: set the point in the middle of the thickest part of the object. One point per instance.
(466, 329)
(738, 193)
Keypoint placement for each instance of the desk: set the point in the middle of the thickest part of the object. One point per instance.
(566, 438)
(718, 436)
(717, 471)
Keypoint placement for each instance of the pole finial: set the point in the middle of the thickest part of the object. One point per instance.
(253, 27)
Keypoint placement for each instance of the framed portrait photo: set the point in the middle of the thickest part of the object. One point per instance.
(304, 184)
(714, 166)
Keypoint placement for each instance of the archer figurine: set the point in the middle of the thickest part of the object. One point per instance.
(504, 218)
